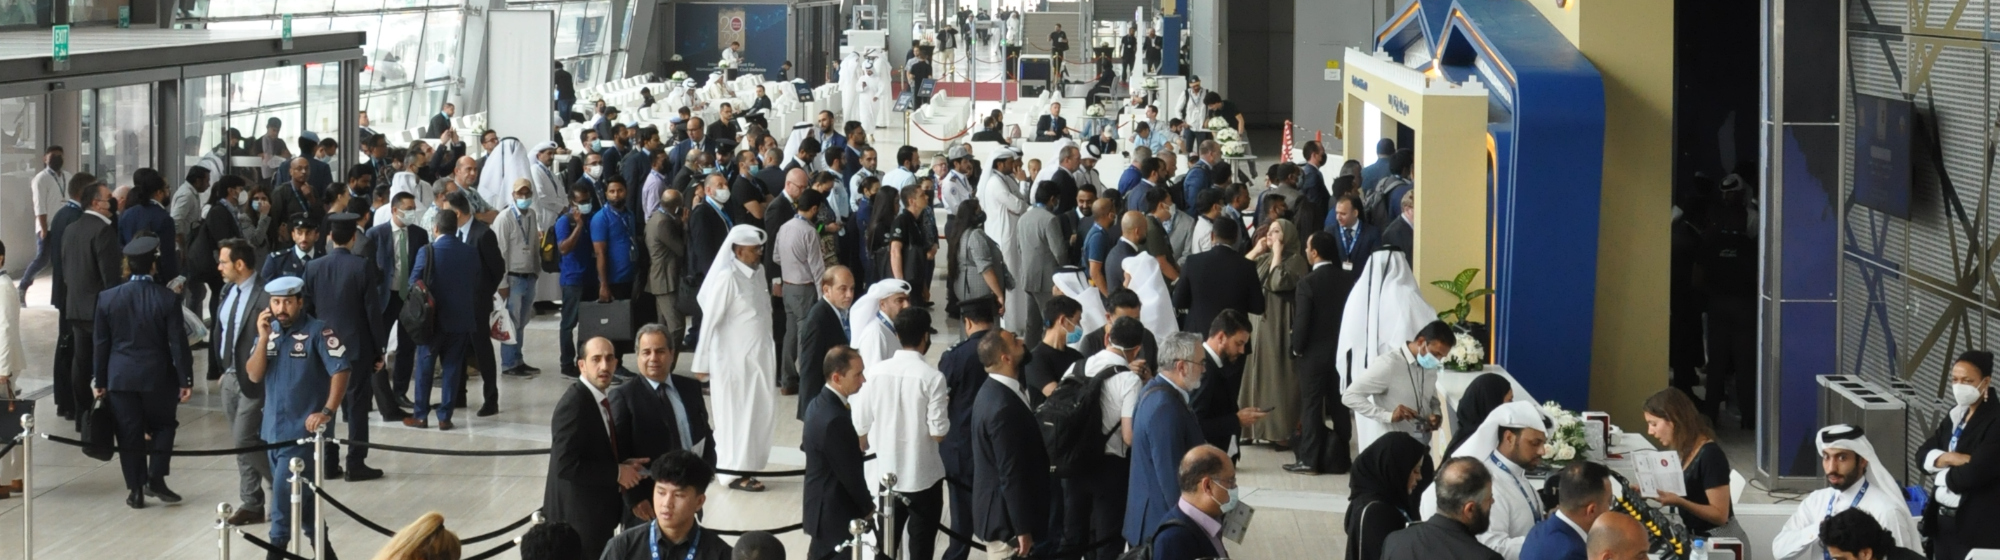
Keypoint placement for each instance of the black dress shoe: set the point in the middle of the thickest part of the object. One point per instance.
(404, 402)
(359, 473)
(158, 489)
(135, 500)
(489, 410)
(334, 472)
(1301, 468)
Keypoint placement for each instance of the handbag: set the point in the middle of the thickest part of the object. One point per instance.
(419, 314)
(99, 429)
(10, 399)
(500, 323)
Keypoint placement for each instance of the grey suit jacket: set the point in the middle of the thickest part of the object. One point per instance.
(666, 243)
(92, 262)
(1182, 232)
(245, 334)
(1042, 245)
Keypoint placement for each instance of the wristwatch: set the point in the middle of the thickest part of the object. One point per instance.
(327, 411)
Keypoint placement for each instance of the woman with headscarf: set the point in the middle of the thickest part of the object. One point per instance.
(1156, 305)
(1269, 379)
(1379, 488)
(1486, 392)
(738, 354)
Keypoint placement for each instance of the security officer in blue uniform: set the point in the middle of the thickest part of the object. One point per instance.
(304, 371)
(341, 290)
(143, 367)
(291, 261)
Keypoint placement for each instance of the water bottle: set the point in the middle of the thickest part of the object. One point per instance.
(1700, 550)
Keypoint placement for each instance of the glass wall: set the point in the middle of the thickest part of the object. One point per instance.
(583, 37)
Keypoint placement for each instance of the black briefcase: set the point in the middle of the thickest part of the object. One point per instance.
(99, 430)
(10, 417)
(613, 321)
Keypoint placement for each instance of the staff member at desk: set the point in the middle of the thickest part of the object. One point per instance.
(1963, 456)
(1671, 418)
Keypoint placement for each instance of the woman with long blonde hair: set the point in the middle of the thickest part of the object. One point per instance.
(423, 539)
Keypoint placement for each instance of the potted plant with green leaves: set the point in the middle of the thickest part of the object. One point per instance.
(1469, 354)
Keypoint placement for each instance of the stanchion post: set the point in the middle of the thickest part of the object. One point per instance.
(28, 486)
(319, 478)
(222, 513)
(885, 517)
(857, 528)
(298, 468)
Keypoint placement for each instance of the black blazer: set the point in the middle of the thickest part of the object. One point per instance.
(646, 427)
(1224, 279)
(91, 264)
(1399, 235)
(1977, 482)
(492, 265)
(582, 487)
(835, 492)
(1051, 127)
(1320, 299)
(217, 223)
(59, 292)
(1214, 402)
(706, 230)
(1367, 239)
(819, 332)
(439, 123)
(1181, 541)
(343, 290)
(141, 340)
(383, 237)
(1010, 469)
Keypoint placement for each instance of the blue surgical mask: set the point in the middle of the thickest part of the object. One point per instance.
(1075, 336)
(1231, 504)
(1427, 361)
(711, 170)
(522, 203)
(583, 208)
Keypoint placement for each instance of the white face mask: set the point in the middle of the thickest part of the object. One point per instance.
(242, 198)
(721, 196)
(1964, 394)
(594, 171)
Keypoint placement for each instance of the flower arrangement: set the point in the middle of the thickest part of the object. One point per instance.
(1466, 354)
(1226, 135)
(1568, 440)
(1235, 149)
(1093, 111)
(725, 64)
(1150, 83)
(678, 76)
(1215, 123)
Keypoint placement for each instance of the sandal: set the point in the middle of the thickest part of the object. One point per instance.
(747, 485)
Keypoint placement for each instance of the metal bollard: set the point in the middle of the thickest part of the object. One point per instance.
(885, 515)
(298, 468)
(319, 478)
(28, 486)
(222, 513)
(857, 528)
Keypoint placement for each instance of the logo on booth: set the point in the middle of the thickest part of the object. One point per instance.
(1397, 103)
(1356, 81)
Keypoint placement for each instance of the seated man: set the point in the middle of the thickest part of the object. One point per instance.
(1854, 535)
(1051, 127)
(1853, 483)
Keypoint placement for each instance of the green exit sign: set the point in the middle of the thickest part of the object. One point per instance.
(124, 17)
(286, 40)
(59, 46)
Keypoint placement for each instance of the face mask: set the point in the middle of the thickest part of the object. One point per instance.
(1427, 361)
(594, 171)
(257, 206)
(756, 167)
(711, 170)
(1231, 504)
(721, 196)
(242, 198)
(1964, 394)
(1075, 336)
(327, 160)
(583, 208)
(56, 163)
(411, 217)
(522, 203)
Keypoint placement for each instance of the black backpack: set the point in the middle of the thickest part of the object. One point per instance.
(1072, 420)
(419, 315)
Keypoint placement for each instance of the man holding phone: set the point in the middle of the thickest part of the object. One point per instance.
(1398, 391)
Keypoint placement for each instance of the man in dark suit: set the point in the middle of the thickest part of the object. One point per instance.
(1131, 240)
(491, 271)
(343, 290)
(587, 477)
(1585, 491)
(1214, 402)
(1401, 232)
(772, 176)
(239, 303)
(291, 261)
(964, 375)
(707, 225)
(638, 163)
(440, 122)
(1353, 239)
(565, 91)
(1321, 301)
(824, 328)
(66, 394)
(1207, 481)
(143, 365)
(1219, 278)
(1464, 500)
(663, 413)
(1051, 127)
(90, 265)
(677, 156)
(395, 254)
(453, 265)
(1164, 428)
(1010, 468)
(835, 493)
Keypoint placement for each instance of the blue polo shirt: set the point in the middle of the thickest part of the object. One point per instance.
(579, 266)
(614, 227)
(300, 363)
(1097, 245)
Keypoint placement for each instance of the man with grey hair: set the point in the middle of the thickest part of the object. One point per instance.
(1464, 499)
(657, 414)
(1164, 428)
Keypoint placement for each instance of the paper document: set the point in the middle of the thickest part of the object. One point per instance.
(1659, 471)
(1237, 521)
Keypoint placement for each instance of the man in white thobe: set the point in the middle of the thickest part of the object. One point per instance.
(737, 354)
(1508, 443)
(1853, 481)
(1001, 197)
(1384, 311)
(870, 320)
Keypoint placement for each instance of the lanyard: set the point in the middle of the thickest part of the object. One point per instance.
(1829, 510)
(1957, 430)
(1533, 507)
(694, 541)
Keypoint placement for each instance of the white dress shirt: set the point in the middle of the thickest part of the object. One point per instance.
(1391, 380)
(1119, 399)
(49, 193)
(597, 400)
(1013, 385)
(900, 410)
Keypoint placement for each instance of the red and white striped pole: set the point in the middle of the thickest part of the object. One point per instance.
(1286, 147)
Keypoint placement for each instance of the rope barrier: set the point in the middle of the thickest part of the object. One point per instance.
(446, 452)
(176, 452)
(777, 531)
(385, 531)
(920, 128)
(506, 546)
(268, 547)
(10, 447)
(497, 533)
(776, 474)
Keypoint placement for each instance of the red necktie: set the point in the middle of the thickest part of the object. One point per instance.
(610, 425)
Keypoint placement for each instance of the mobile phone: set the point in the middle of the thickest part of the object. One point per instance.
(1266, 409)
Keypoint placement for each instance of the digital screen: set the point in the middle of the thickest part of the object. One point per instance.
(1882, 176)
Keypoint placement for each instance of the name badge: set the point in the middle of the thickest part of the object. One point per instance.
(1347, 266)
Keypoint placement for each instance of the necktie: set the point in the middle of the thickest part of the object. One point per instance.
(845, 331)
(673, 398)
(402, 261)
(229, 327)
(610, 426)
(1347, 238)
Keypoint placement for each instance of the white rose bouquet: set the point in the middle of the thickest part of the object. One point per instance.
(1226, 135)
(1215, 123)
(678, 77)
(1094, 110)
(1235, 149)
(1466, 355)
(1150, 83)
(1567, 441)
